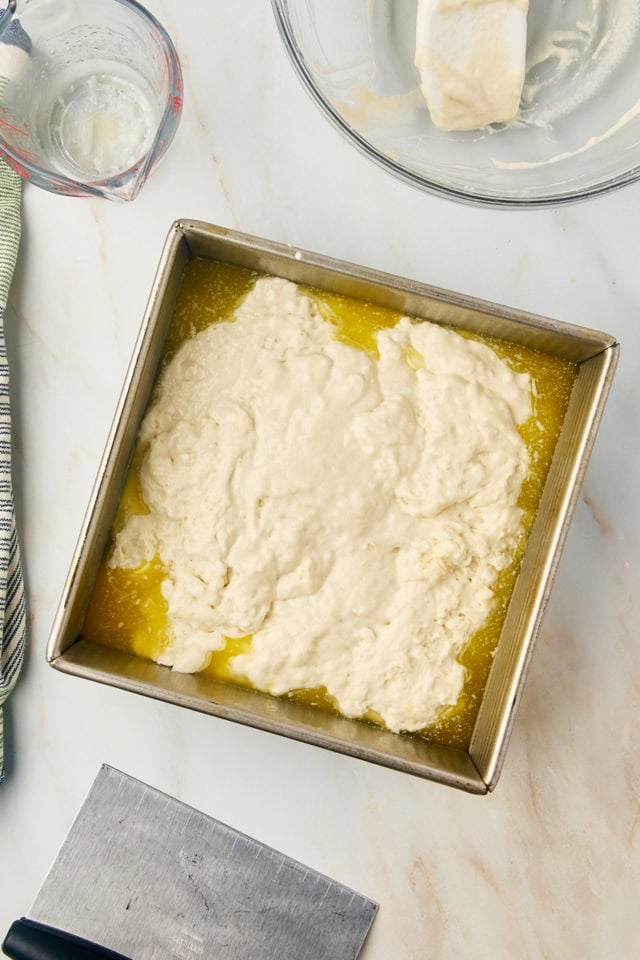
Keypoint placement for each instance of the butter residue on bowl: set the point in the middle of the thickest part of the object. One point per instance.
(348, 512)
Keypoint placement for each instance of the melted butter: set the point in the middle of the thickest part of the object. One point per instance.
(220, 665)
(127, 610)
(210, 292)
(356, 322)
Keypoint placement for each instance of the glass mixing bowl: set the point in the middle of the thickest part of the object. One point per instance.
(578, 130)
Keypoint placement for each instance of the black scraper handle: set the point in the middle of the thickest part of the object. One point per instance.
(28, 940)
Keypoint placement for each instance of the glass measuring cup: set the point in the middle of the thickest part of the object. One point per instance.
(90, 94)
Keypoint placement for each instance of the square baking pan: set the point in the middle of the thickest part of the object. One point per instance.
(476, 770)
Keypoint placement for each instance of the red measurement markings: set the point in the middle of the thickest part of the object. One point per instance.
(66, 190)
(11, 124)
(14, 164)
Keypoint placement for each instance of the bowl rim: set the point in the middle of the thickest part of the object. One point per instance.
(365, 147)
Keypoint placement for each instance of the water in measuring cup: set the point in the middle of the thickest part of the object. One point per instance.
(97, 120)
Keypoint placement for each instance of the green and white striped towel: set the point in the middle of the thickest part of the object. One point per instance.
(15, 49)
(12, 608)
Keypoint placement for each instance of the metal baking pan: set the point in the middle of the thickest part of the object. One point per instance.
(475, 771)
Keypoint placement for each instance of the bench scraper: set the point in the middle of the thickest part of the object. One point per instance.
(141, 875)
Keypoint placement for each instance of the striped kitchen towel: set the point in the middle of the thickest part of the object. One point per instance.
(12, 608)
(12, 611)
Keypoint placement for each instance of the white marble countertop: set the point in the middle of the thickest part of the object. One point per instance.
(548, 865)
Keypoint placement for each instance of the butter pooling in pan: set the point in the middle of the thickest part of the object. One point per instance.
(349, 513)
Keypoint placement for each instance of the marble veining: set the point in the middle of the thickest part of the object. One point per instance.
(549, 865)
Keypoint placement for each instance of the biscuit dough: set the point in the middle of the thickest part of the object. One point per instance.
(349, 512)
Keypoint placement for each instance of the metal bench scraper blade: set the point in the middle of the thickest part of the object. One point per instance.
(146, 876)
